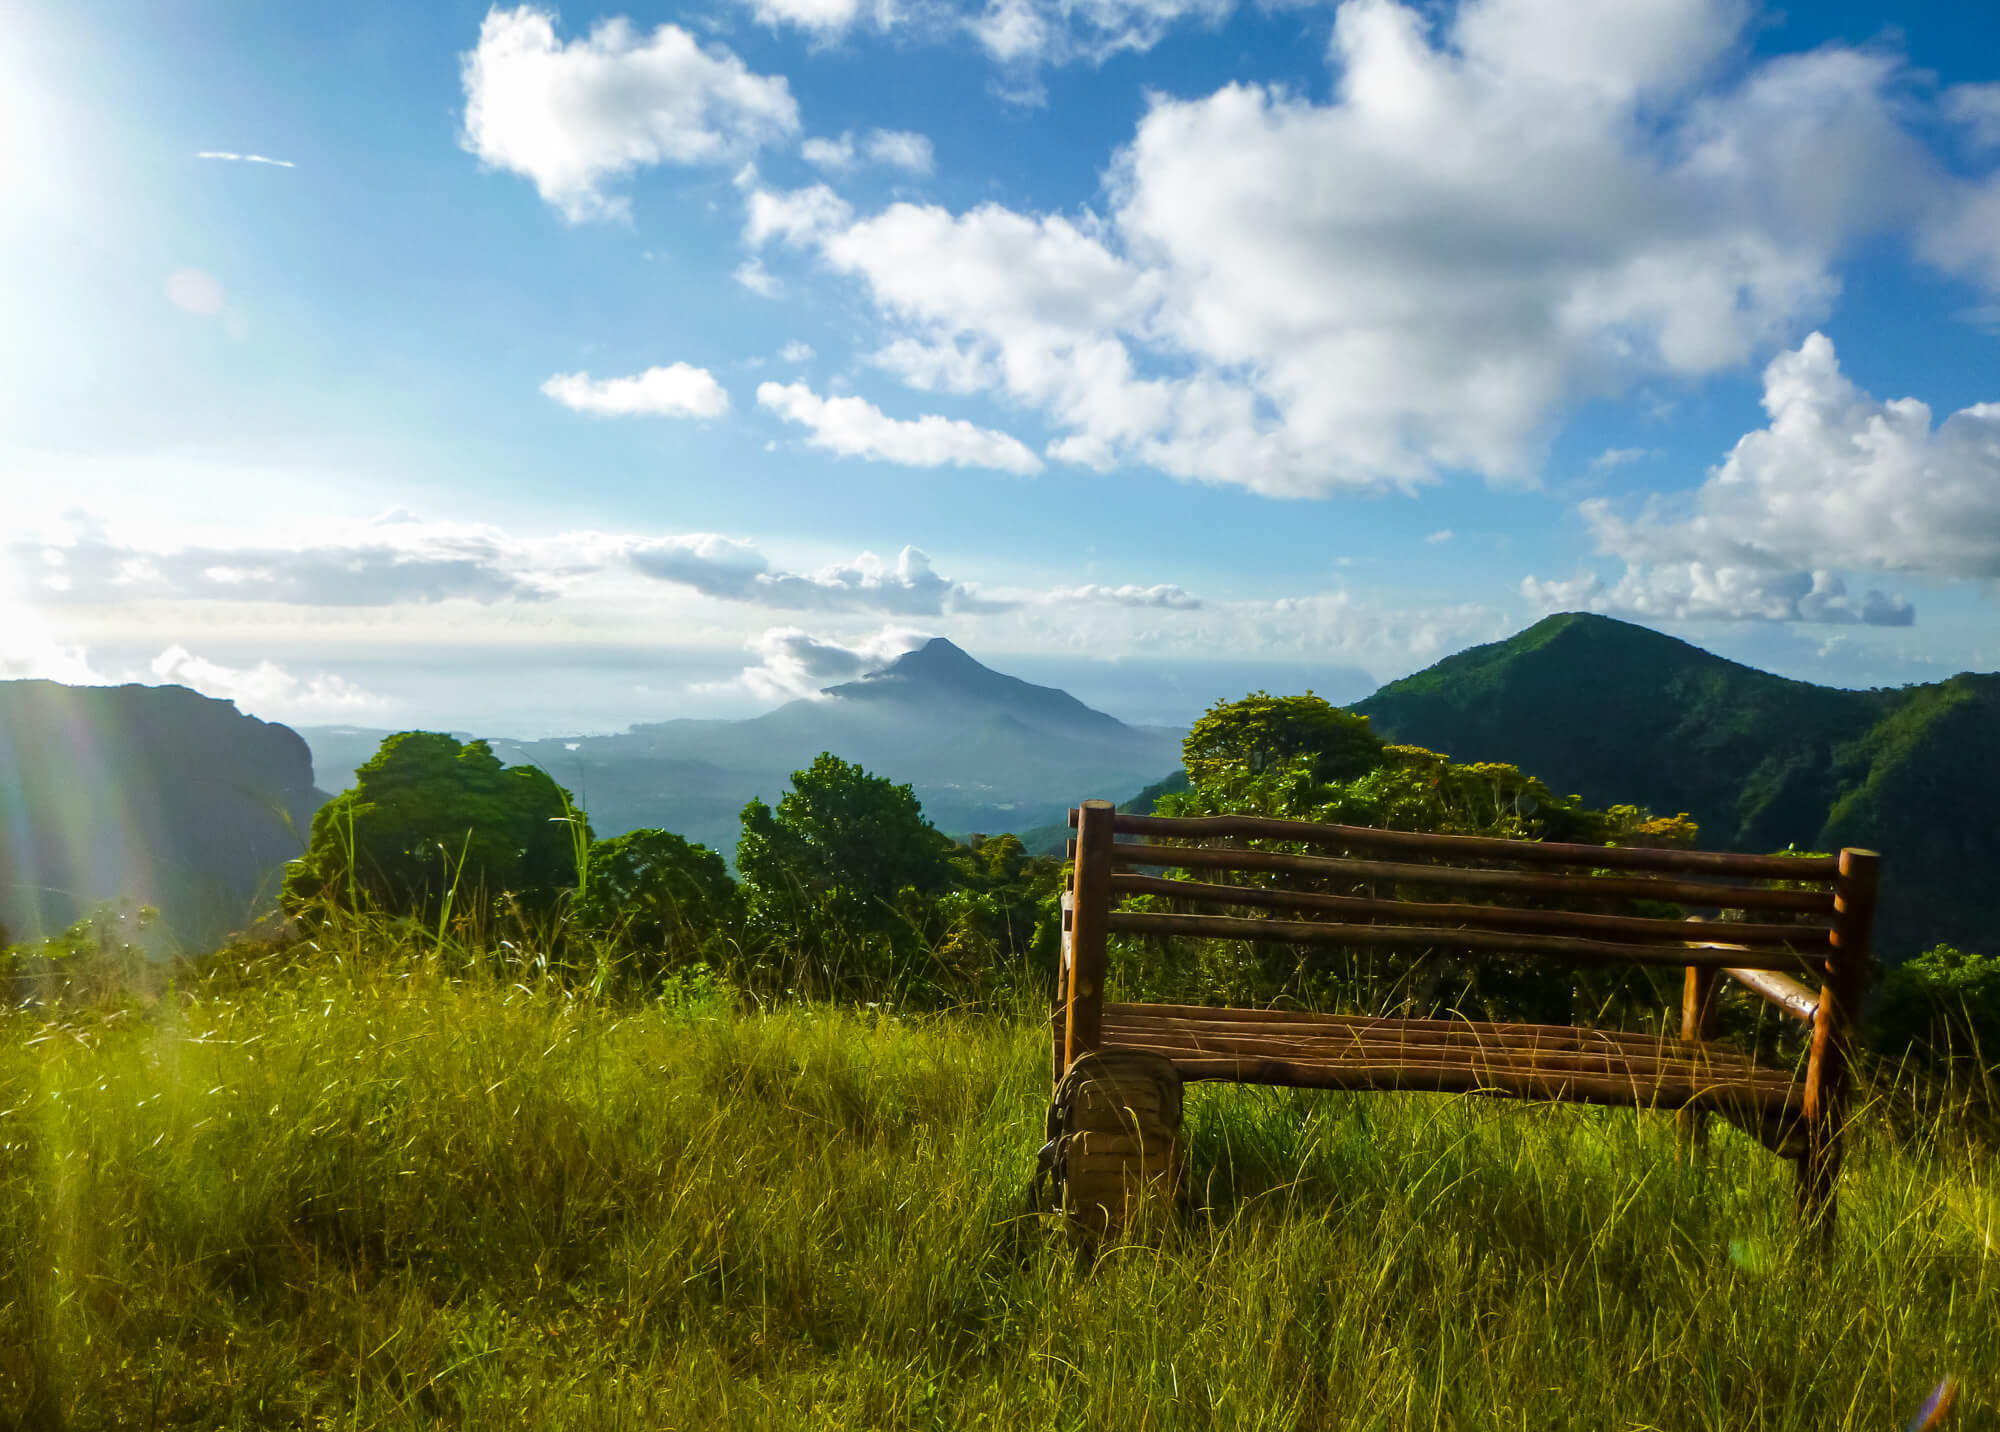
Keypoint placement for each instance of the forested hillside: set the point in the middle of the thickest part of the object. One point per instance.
(1615, 711)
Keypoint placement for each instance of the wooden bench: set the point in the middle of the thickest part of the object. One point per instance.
(1407, 891)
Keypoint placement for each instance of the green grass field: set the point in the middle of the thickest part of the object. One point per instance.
(335, 1196)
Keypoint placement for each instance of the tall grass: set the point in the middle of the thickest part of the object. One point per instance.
(373, 1187)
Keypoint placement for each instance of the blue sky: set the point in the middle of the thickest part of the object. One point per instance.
(576, 368)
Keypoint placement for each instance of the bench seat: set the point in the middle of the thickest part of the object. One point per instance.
(1529, 1061)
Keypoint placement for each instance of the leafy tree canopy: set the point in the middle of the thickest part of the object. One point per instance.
(427, 817)
(842, 841)
(655, 891)
(1262, 732)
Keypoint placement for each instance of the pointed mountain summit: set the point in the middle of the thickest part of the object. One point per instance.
(1618, 712)
(942, 673)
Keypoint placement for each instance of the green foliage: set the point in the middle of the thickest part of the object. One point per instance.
(841, 842)
(1262, 732)
(653, 893)
(841, 877)
(1941, 1008)
(431, 825)
(1252, 763)
(1001, 919)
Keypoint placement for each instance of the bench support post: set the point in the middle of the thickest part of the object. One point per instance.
(1827, 1073)
(1083, 994)
(1698, 1022)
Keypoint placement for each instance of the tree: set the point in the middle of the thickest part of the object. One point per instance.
(1262, 732)
(653, 891)
(841, 845)
(428, 820)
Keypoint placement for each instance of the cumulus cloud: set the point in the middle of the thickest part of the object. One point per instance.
(265, 688)
(855, 427)
(678, 391)
(736, 571)
(245, 158)
(1839, 481)
(752, 274)
(823, 18)
(792, 662)
(795, 352)
(796, 216)
(1977, 109)
(1023, 34)
(573, 115)
(1495, 214)
(1442, 535)
(892, 148)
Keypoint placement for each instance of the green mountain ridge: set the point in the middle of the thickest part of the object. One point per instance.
(1617, 712)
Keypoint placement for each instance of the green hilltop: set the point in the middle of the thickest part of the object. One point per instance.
(1614, 711)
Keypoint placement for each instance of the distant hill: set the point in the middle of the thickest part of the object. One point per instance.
(1617, 712)
(153, 792)
(985, 752)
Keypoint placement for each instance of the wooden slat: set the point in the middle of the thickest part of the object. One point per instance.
(1319, 932)
(1787, 994)
(1804, 938)
(1464, 1038)
(1427, 1044)
(1604, 1063)
(1686, 892)
(1570, 1088)
(1471, 847)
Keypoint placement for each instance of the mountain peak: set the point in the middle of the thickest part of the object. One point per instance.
(940, 674)
(937, 658)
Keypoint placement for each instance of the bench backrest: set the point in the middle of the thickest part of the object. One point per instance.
(1409, 889)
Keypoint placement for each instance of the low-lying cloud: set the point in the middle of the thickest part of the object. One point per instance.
(735, 571)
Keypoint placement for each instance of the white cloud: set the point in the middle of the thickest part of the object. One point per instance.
(901, 149)
(245, 158)
(573, 115)
(1497, 214)
(823, 18)
(1162, 595)
(796, 352)
(792, 662)
(834, 154)
(855, 427)
(1837, 482)
(1620, 457)
(1440, 536)
(1977, 109)
(377, 567)
(1021, 34)
(733, 570)
(892, 148)
(678, 391)
(797, 216)
(266, 688)
(752, 274)
(195, 291)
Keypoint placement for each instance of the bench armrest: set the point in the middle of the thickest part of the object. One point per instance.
(1782, 990)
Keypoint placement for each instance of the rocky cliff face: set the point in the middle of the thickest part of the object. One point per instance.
(155, 793)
